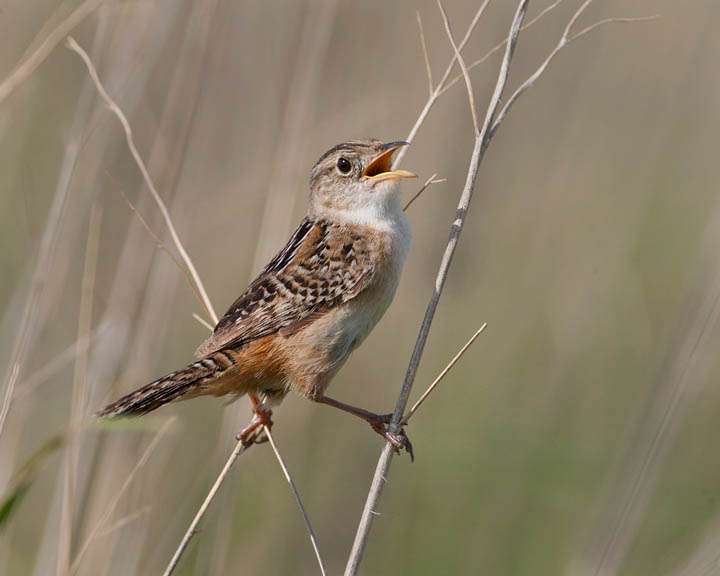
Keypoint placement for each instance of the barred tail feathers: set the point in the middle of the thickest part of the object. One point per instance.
(187, 382)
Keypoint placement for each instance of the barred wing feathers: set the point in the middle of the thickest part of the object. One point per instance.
(322, 265)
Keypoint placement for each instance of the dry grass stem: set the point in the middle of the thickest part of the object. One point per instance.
(443, 373)
(669, 398)
(599, 23)
(240, 447)
(124, 521)
(79, 392)
(638, 310)
(429, 182)
(499, 46)
(313, 539)
(12, 375)
(53, 222)
(481, 142)
(29, 384)
(436, 93)
(202, 321)
(461, 63)
(118, 496)
(428, 69)
(73, 45)
(30, 62)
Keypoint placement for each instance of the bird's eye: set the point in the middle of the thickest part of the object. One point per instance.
(343, 165)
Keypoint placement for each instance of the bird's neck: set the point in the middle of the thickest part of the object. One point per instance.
(384, 212)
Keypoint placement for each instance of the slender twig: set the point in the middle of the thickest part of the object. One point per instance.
(436, 93)
(428, 69)
(118, 495)
(592, 27)
(461, 63)
(73, 45)
(443, 86)
(31, 61)
(481, 142)
(424, 187)
(313, 539)
(160, 244)
(499, 46)
(240, 447)
(443, 374)
(565, 40)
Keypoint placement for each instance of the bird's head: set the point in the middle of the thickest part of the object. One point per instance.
(356, 177)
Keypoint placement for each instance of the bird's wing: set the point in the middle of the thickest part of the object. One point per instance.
(322, 265)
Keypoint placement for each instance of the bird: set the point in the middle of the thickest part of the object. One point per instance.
(296, 324)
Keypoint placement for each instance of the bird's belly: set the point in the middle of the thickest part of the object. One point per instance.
(319, 351)
(346, 329)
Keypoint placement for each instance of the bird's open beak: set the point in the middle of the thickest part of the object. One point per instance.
(379, 168)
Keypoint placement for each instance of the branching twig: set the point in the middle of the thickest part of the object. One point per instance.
(436, 93)
(565, 40)
(443, 373)
(443, 86)
(481, 142)
(499, 46)
(611, 21)
(73, 45)
(461, 63)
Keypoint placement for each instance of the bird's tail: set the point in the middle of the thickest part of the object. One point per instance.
(187, 382)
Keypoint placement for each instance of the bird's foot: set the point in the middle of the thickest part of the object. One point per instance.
(378, 422)
(400, 441)
(254, 432)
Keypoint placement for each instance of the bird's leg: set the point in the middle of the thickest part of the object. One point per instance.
(378, 422)
(262, 418)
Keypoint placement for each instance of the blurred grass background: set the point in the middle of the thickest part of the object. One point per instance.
(577, 436)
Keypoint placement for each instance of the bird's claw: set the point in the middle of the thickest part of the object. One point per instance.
(254, 433)
(399, 440)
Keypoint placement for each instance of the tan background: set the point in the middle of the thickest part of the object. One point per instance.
(578, 435)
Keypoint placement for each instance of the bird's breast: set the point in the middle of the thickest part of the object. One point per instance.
(365, 311)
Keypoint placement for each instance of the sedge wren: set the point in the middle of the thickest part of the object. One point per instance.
(296, 324)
